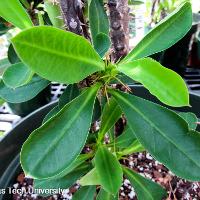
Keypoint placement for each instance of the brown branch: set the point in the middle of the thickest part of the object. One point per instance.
(70, 10)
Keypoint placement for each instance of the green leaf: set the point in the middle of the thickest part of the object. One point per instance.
(145, 188)
(4, 64)
(79, 161)
(111, 113)
(63, 182)
(45, 146)
(85, 193)
(125, 139)
(165, 34)
(135, 2)
(71, 92)
(99, 26)
(164, 83)
(97, 111)
(14, 12)
(17, 75)
(190, 118)
(54, 13)
(135, 147)
(1, 101)
(69, 63)
(109, 170)
(12, 55)
(91, 178)
(102, 44)
(164, 134)
(23, 93)
(103, 195)
(52, 113)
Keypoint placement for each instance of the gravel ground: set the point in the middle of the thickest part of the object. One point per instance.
(143, 163)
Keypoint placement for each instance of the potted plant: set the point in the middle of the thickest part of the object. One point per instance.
(25, 91)
(54, 151)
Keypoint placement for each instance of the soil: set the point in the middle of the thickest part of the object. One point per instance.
(143, 163)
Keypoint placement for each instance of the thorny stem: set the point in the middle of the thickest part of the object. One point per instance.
(119, 20)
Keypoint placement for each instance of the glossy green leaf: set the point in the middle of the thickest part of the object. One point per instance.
(13, 11)
(102, 44)
(110, 115)
(135, 147)
(125, 139)
(91, 178)
(70, 62)
(23, 93)
(54, 13)
(46, 143)
(17, 75)
(190, 118)
(52, 113)
(103, 195)
(144, 188)
(12, 55)
(71, 92)
(109, 170)
(99, 26)
(164, 83)
(78, 162)
(85, 193)
(165, 34)
(64, 182)
(164, 134)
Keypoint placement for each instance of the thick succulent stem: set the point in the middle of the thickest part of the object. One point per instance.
(72, 11)
(119, 24)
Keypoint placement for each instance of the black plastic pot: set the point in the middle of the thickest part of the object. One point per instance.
(11, 145)
(177, 56)
(25, 108)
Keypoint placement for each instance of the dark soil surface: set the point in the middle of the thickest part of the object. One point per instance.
(143, 163)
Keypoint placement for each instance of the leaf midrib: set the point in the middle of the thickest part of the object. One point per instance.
(103, 156)
(102, 131)
(135, 179)
(64, 55)
(152, 124)
(63, 131)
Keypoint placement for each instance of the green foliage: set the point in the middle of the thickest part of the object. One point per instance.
(165, 34)
(53, 10)
(144, 188)
(62, 182)
(46, 143)
(191, 119)
(175, 146)
(23, 93)
(85, 193)
(109, 170)
(99, 26)
(57, 62)
(159, 80)
(14, 12)
(68, 146)
(4, 63)
(17, 75)
(103, 195)
(110, 115)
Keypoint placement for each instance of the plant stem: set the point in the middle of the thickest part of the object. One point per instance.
(119, 24)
